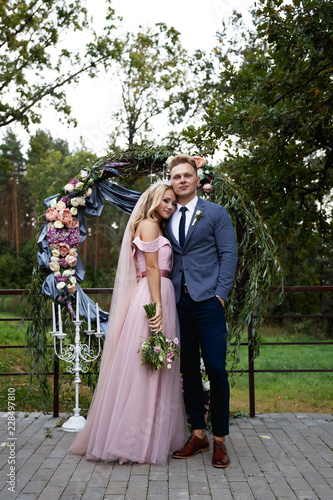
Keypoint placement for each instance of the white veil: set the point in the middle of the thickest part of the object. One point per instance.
(124, 287)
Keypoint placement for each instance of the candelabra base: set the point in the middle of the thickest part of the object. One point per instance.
(74, 424)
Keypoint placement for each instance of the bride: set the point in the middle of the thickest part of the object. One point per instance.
(137, 415)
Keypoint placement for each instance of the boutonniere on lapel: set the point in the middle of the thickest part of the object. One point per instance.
(198, 215)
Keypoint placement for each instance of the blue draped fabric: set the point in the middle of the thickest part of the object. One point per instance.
(125, 200)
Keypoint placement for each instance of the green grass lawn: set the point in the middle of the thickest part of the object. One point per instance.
(275, 392)
(287, 392)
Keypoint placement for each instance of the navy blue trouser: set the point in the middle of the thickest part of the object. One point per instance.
(202, 324)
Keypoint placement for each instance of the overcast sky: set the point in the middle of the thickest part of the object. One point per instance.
(92, 101)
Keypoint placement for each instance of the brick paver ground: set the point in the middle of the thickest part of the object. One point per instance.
(284, 456)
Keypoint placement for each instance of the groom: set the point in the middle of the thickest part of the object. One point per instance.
(205, 259)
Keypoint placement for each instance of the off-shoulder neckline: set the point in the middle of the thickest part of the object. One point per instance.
(159, 236)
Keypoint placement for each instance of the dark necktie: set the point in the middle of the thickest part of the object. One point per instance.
(182, 227)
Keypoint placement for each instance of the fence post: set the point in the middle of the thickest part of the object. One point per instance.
(251, 372)
(56, 387)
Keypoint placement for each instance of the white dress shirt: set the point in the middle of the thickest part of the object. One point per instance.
(188, 214)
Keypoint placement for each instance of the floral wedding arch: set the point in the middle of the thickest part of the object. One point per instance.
(58, 269)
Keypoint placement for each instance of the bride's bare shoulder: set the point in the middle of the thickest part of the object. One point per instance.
(148, 230)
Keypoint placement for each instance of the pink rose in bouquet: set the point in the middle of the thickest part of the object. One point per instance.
(199, 161)
(71, 260)
(51, 214)
(63, 249)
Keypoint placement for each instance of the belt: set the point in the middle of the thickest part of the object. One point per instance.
(163, 272)
(184, 289)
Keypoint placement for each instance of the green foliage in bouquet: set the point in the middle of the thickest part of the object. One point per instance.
(158, 350)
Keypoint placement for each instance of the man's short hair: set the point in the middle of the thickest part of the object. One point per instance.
(178, 159)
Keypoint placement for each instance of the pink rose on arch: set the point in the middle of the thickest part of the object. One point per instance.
(51, 214)
(200, 162)
(63, 249)
(71, 288)
(70, 260)
(73, 224)
(65, 216)
(207, 188)
(73, 252)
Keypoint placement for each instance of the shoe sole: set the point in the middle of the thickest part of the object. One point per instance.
(220, 466)
(190, 456)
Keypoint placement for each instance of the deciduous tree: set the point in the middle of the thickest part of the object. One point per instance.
(36, 63)
(275, 119)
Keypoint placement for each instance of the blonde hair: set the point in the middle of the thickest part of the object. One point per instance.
(150, 200)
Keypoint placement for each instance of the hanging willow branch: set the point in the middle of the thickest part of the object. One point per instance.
(258, 266)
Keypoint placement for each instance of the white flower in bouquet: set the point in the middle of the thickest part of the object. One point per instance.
(55, 253)
(79, 185)
(67, 272)
(73, 211)
(53, 203)
(58, 224)
(206, 385)
(61, 285)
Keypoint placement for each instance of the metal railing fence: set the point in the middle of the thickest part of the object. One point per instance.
(251, 362)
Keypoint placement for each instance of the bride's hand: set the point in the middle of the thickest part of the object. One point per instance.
(155, 322)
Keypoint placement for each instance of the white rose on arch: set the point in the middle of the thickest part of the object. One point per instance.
(75, 202)
(61, 285)
(54, 266)
(69, 187)
(61, 205)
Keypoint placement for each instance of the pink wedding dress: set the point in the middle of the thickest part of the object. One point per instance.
(140, 416)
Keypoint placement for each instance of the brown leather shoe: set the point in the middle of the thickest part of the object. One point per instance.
(220, 456)
(192, 446)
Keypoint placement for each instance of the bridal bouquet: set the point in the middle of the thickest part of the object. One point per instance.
(158, 350)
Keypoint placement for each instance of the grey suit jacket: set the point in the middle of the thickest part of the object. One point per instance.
(209, 256)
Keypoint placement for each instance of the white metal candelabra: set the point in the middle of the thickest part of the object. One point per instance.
(76, 355)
